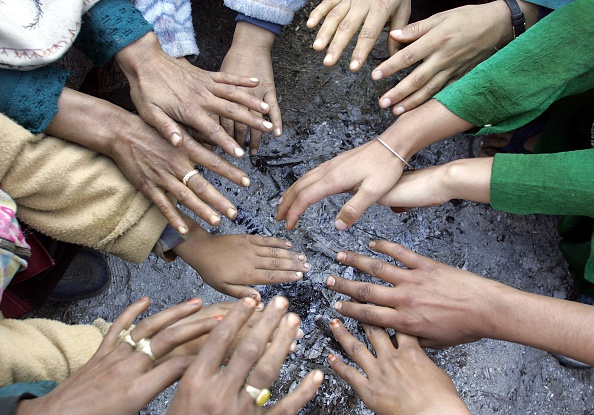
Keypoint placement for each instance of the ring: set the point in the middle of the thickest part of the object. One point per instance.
(188, 176)
(144, 346)
(260, 396)
(125, 337)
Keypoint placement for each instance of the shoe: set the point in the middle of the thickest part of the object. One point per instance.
(568, 361)
(87, 276)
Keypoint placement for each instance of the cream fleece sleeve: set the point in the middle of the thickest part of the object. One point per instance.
(76, 195)
(41, 349)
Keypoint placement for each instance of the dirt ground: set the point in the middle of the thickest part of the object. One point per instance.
(326, 111)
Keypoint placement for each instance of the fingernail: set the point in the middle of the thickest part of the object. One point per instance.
(245, 181)
(318, 376)
(195, 301)
(310, 22)
(299, 274)
(280, 201)
(399, 110)
(253, 152)
(250, 302)
(267, 125)
(376, 75)
(293, 347)
(175, 139)
(354, 65)
(307, 265)
(338, 306)
(335, 323)
(264, 105)
(340, 225)
(278, 132)
(254, 80)
(214, 220)
(280, 303)
(318, 43)
(238, 152)
(260, 307)
(219, 317)
(396, 33)
(328, 58)
(143, 299)
(331, 281)
(385, 102)
(231, 213)
(301, 257)
(300, 334)
(331, 358)
(372, 244)
(182, 229)
(289, 244)
(293, 320)
(341, 256)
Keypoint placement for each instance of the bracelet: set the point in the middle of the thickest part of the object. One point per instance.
(517, 17)
(395, 153)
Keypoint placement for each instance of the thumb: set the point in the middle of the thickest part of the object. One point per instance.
(353, 210)
(164, 124)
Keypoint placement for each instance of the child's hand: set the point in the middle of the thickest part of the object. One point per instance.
(229, 263)
(345, 17)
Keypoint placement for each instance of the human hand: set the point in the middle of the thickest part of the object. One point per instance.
(369, 171)
(442, 305)
(127, 377)
(250, 54)
(205, 388)
(168, 92)
(345, 17)
(450, 44)
(401, 380)
(229, 263)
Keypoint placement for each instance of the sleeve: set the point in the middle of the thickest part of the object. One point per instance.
(108, 27)
(275, 11)
(31, 97)
(553, 184)
(172, 23)
(502, 94)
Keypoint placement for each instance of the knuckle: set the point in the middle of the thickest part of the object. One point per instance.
(357, 348)
(232, 108)
(368, 314)
(249, 349)
(367, 34)
(267, 372)
(408, 57)
(275, 263)
(364, 292)
(274, 253)
(345, 26)
(200, 187)
(376, 267)
(271, 275)
(350, 212)
(213, 128)
(418, 80)
(334, 14)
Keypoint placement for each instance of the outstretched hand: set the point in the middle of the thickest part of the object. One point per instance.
(343, 18)
(400, 380)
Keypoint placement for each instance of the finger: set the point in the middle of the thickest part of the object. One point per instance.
(344, 32)
(270, 242)
(372, 266)
(367, 313)
(275, 112)
(228, 125)
(366, 41)
(435, 82)
(364, 292)
(238, 290)
(147, 386)
(413, 31)
(243, 99)
(269, 277)
(407, 341)
(281, 253)
(321, 11)
(381, 342)
(150, 326)
(354, 209)
(251, 347)
(397, 22)
(171, 337)
(351, 375)
(241, 131)
(292, 403)
(167, 209)
(166, 126)
(328, 29)
(408, 258)
(125, 320)
(195, 196)
(353, 347)
(255, 138)
(404, 58)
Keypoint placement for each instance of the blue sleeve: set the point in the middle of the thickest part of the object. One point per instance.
(275, 11)
(108, 27)
(272, 27)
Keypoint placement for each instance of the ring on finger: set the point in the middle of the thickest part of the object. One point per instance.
(124, 337)
(189, 175)
(144, 346)
(260, 396)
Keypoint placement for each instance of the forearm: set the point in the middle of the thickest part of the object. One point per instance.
(468, 179)
(249, 38)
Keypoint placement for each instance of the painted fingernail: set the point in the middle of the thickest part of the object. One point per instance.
(331, 281)
(280, 201)
(231, 213)
(299, 334)
(143, 299)
(254, 80)
(238, 152)
(299, 274)
(340, 225)
(307, 265)
(219, 317)
(341, 256)
(245, 181)
(399, 110)
(293, 347)
(249, 301)
(318, 43)
(214, 220)
(175, 139)
(328, 58)
(335, 323)
(338, 306)
(377, 75)
(195, 301)
(354, 65)
(278, 132)
(264, 106)
(331, 358)
(267, 124)
(385, 102)
(396, 33)
(182, 229)
(280, 303)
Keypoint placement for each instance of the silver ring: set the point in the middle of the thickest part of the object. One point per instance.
(188, 176)
(125, 337)
(144, 346)
(260, 396)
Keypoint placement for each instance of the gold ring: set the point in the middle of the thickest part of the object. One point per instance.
(144, 346)
(125, 337)
(260, 396)
(188, 176)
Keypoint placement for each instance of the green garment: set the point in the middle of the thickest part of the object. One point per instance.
(553, 59)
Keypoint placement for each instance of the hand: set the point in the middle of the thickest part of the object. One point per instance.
(442, 305)
(345, 17)
(250, 54)
(401, 380)
(229, 263)
(168, 91)
(369, 171)
(450, 44)
(128, 378)
(207, 389)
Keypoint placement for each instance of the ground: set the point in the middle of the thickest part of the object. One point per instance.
(326, 111)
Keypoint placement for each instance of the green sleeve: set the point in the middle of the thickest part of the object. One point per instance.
(553, 59)
(554, 184)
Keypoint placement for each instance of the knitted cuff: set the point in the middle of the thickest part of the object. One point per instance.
(273, 27)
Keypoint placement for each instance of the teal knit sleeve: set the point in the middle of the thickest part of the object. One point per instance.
(108, 27)
(30, 98)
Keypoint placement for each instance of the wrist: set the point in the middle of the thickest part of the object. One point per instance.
(249, 38)
(468, 179)
(133, 57)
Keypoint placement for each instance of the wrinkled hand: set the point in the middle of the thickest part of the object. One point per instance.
(229, 263)
(168, 92)
(442, 305)
(127, 378)
(401, 380)
(368, 171)
(345, 17)
(250, 54)
(206, 389)
(450, 44)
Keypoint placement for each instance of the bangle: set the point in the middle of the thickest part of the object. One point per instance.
(395, 153)
(517, 17)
